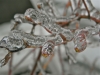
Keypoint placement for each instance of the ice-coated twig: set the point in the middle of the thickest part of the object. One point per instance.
(10, 65)
(92, 11)
(89, 5)
(53, 8)
(68, 4)
(5, 60)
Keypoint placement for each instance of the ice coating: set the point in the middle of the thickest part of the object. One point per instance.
(80, 43)
(18, 40)
(48, 48)
(12, 44)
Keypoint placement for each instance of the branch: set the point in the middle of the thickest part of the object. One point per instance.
(35, 65)
(10, 65)
(86, 8)
(60, 59)
(66, 8)
(47, 63)
(22, 60)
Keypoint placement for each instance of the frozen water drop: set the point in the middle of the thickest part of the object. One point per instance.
(47, 48)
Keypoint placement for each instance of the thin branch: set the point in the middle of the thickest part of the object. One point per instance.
(86, 8)
(22, 60)
(80, 3)
(66, 8)
(47, 63)
(70, 56)
(93, 65)
(15, 25)
(10, 65)
(42, 71)
(73, 5)
(92, 18)
(77, 25)
(60, 59)
(66, 23)
(35, 65)
(52, 9)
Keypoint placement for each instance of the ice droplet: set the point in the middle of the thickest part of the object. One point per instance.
(80, 43)
(47, 48)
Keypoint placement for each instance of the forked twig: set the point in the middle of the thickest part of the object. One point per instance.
(10, 65)
(86, 8)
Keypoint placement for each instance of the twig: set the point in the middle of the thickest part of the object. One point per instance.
(60, 59)
(47, 63)
(66, 23)
(73, 5)
(52, 10)
(15, 25)
(86, 8)
(22, 60)
(92, 18)
(70, 56)
(35, 65)
(66, 8)
(93, 65)
(79, 3)
(10, 65)
(77, 25)
(42, 71)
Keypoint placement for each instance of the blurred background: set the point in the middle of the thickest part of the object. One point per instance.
(86, 62)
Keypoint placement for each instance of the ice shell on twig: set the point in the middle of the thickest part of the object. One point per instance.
(5, 60)
(48, 48)
(80, 41)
